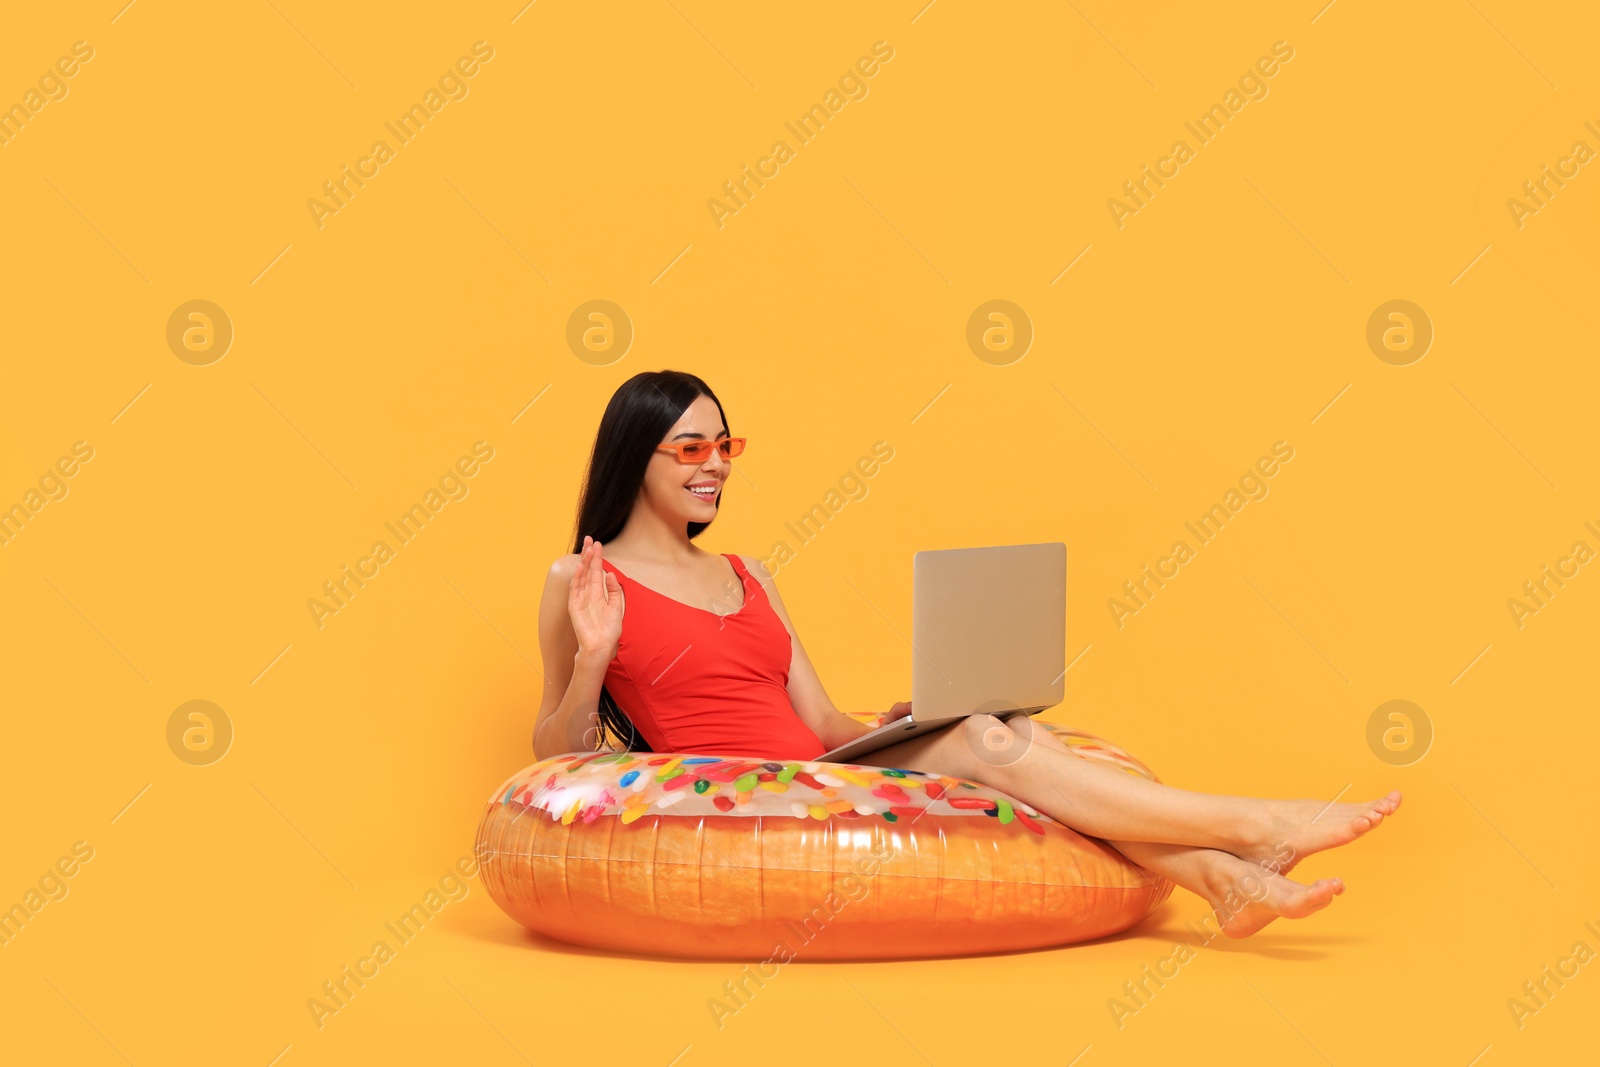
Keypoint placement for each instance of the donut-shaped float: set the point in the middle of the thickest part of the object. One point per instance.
(722, 858)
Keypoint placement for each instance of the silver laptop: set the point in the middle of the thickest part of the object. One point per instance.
(988, 636)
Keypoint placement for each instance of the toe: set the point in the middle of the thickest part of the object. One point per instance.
(1317, 896)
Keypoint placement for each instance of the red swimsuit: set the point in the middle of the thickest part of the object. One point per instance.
(695, 681)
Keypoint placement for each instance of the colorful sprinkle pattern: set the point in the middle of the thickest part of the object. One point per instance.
(584, 787)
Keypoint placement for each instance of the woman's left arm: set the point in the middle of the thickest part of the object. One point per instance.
(832, 726)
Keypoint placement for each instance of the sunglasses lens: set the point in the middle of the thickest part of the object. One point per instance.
(696, 451)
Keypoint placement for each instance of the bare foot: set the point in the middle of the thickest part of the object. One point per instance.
(1291, 830)
(1245, 898)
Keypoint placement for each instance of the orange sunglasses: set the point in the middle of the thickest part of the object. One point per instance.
(697, 451)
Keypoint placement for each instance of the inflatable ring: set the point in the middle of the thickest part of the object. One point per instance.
(708, 857)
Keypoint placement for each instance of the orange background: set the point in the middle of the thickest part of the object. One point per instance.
(431, 312)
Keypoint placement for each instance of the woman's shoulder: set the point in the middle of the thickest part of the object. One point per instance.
(564, 567)
(756, 567)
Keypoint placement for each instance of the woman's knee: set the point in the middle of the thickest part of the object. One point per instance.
(983, 748)
(1032, 730)
(998, 743)
(1004, 748)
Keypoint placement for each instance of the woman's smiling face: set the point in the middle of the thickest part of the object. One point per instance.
(670, 485)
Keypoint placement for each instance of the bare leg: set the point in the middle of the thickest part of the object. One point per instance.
(1243, 896)
(1024, 760)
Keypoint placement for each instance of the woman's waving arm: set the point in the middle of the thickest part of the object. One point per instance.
(580, 622)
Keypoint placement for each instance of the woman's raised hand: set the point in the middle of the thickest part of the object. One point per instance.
(595, 603)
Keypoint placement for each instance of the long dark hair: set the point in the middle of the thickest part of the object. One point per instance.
(639, 415)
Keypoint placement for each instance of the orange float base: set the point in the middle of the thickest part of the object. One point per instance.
(836, 885)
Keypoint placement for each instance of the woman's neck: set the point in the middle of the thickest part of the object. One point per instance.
(649, 538)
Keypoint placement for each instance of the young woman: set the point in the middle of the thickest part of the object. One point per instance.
(669, 648)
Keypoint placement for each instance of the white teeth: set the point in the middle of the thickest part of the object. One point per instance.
(708, 491)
